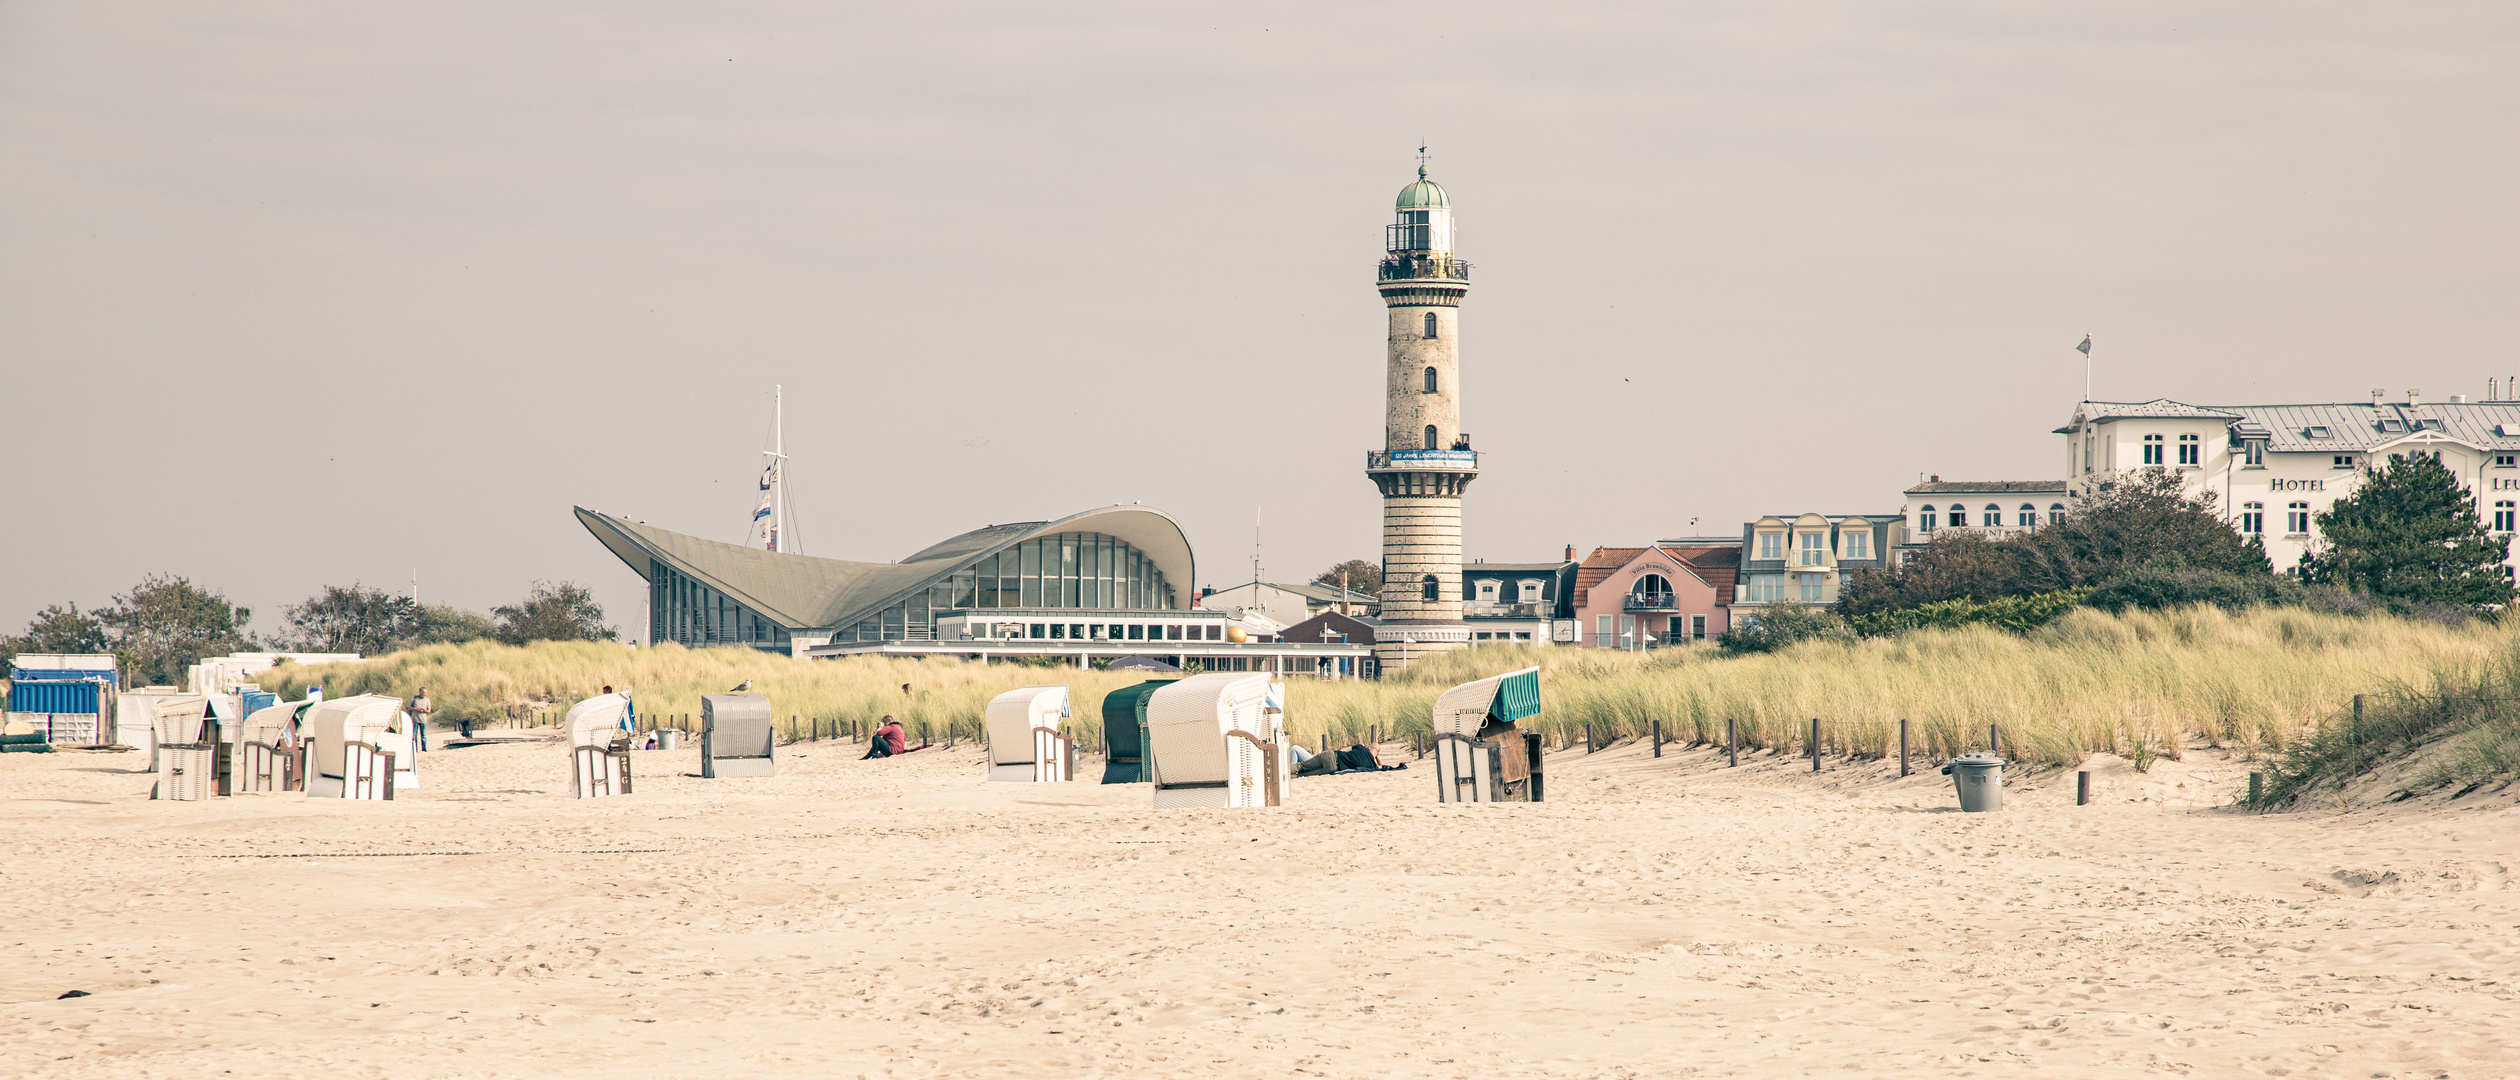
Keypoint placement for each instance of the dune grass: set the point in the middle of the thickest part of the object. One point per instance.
(2089, 681)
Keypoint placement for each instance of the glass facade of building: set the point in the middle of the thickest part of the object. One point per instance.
(686, 612)
(1087, 571)
(1063, 570)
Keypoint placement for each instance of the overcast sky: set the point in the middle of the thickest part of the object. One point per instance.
(296, 294)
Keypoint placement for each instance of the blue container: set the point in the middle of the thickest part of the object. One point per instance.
(53, 697)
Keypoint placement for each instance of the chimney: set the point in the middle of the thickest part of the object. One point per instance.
(2376, 395)
(2458, 399)
(2493, 388)
(2415, 397)
(1570, 553)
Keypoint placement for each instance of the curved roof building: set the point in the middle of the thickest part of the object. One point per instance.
(1117, 561)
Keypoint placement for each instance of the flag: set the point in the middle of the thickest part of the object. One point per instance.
(762, 526)
(770, 473)
(2085, 347)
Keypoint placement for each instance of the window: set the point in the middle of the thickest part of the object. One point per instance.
(1810, 588)
(1430, 588)
(1858, 544)
(1697, 623)
(1530, 592)
(1994, 516)
(1771, 545)
(2191, 451)
(1653, 589)
(1431, 327)
(1215, 632)
(1487, 592)
(2506, 461)
(2503, 515)
(1815, 549)
(1767, 588)
(1172, 632)
(1603, 634)
(2056, 513)
(1430, 438)
(2252, 518)
(2343, 461)
(1040, 630)
(2253, 454)
(2297, 519)
(1137, 631)
(1058, 630)
(2152, 449)
(2029, 516)
(1925, 519)
(1430, 381)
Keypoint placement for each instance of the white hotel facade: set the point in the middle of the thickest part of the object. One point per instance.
(2274, 468)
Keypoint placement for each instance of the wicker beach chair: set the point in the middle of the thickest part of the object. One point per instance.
(599, 746)
(1025, 743)
(1124, 732)
(267, 748)
(736, 736)
(359, 748)
(1216, 740)
(1480, 755)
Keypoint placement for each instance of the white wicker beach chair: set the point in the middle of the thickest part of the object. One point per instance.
(267, 748)
(1215, 740)
(599, 746)
(736, 737)
(1480, 755)
(1025, 743)
(186, 744)
(359, 748)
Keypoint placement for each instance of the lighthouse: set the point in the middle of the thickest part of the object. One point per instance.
(1425, 461)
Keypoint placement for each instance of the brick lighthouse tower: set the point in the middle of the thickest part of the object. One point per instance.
(1426, 461)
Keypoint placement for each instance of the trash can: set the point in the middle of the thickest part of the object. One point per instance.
(668, 739)
(1980, 778)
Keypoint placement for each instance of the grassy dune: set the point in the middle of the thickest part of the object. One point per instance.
(2089, 681)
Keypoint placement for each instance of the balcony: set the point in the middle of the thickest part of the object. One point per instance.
(1422, 268)
(1446, 460)
(1652, 602)
(1495, 609)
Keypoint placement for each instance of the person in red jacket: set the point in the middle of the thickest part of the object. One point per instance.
(888, 740)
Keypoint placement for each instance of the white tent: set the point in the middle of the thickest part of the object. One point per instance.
(350, 740)
(1218, 740)
(596, 727)
(1024, 739)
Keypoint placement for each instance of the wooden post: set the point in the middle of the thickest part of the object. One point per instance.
(1815, 744)
(2257, 787)
(1658, 737)
(2082, 788)
(1732, 743)
(1994, 740)
(1588, 743)
(1903, 768)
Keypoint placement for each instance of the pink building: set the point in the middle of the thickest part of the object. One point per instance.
(1649, 597)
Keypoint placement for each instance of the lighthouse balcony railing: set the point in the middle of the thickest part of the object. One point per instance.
(1421, 459)
(1417, 267)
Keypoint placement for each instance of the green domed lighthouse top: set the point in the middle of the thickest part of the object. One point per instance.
(1424, 194)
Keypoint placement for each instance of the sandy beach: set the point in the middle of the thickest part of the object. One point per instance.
(1656, 917)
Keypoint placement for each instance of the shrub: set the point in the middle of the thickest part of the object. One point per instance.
(1777, 628)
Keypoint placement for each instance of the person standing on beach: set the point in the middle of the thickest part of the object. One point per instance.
(420, 709)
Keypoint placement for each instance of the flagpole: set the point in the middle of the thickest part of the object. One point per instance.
(778, 457)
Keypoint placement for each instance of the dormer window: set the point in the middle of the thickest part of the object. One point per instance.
(2391, 423)
(2253, 454)
(2316, 433)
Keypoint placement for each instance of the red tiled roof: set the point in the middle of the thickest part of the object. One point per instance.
(1719, 567)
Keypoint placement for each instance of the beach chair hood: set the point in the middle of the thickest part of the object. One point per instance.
(597, 720)
(1503, 699)
(1012, 716)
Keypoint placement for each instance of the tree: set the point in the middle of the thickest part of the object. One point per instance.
(553, 613)
(166, 624)
(2410, 531)
(446, 624)
(352, 618)
(1360, 576)
(58, 630)
(1956, 565)
(2146, 518)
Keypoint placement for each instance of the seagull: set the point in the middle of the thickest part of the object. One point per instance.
(741, 687)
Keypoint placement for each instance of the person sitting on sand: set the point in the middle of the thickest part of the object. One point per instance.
(888, 740)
